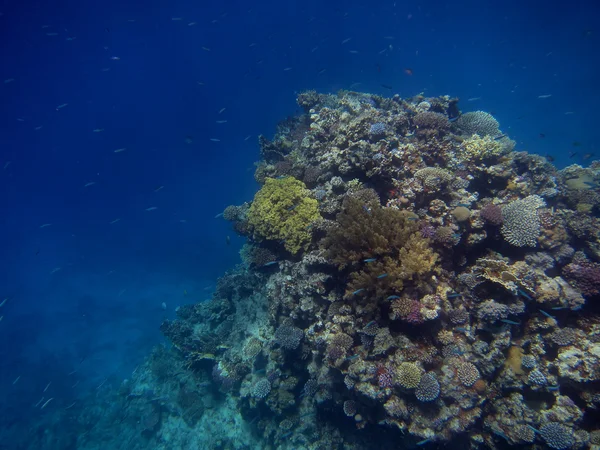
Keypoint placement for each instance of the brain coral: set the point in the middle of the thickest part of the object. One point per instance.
(428, 389)
(557, 436)
(283, 210)
(521, 226)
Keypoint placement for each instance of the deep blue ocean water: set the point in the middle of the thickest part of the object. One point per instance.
(101, 244)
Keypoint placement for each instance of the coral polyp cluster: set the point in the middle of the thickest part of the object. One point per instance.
(407, 269)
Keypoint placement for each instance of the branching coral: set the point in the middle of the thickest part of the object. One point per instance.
(366, 230)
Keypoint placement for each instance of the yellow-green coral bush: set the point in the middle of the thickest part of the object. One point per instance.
(283, 210)
(478, 148)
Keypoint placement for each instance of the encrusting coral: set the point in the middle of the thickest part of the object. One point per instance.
(429, 280)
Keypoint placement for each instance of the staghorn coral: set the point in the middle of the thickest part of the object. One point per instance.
(431, 124)
(261, 389)
(557, 436)
(477, 122)
(521, 224)
(480, 148)
(408, 375)
(428, 389)
(366, 230)
(283, 210)
(288, 336)
(467, 373)
(434, 178)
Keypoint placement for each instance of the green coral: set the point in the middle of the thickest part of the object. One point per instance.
(283, 210)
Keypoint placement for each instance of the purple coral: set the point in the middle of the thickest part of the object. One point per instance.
(492, 214)
(584, 276)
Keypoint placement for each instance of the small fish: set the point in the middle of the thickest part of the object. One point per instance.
(191, 24)
(408, 71)
(114, 221)
(152, 208)
(542, 135)
(573, 154)
(370, 323)
(423, 442)
(270, 263)
(221, 121)
(38, 128)
(383, 275)
(500, 136)
(291, 208)
(413, 218)
(16, 380)
(45, 225)
(287, 69)
(464, 205)
(545, 96)
(56, 269)
(392, 297)
(3, 302)
(215, 140)
(558, 308)
(522, 293)
(353, 357)
(159, 188)
(6, 165)
(9, 80)
(387, 86)
(206, 49)
(115, 58)
(454, 295)
(48, 401)
(473, 99)
(61, 106)
(119, 150)
(247, 137)
(354, 52)
(346, 40)
(587, 156)
(51, 34)
(358, 291)
(367, 209)
(462, 329)
(98, 130)
(533, 429)
(176, 19)
(550, 316)
(219, 216)
(322, 71)
(590, 183)
(553, 388)
(91, 183)
(370, 260)
(510, 322)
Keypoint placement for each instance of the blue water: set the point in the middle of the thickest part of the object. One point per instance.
(85, 296)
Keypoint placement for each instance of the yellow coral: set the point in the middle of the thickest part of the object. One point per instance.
(283, 210)
(478, 148)
(417, 257)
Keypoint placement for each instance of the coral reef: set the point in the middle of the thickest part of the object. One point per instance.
(423, 278)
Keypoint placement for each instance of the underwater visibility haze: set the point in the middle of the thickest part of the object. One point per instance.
(299, 225)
